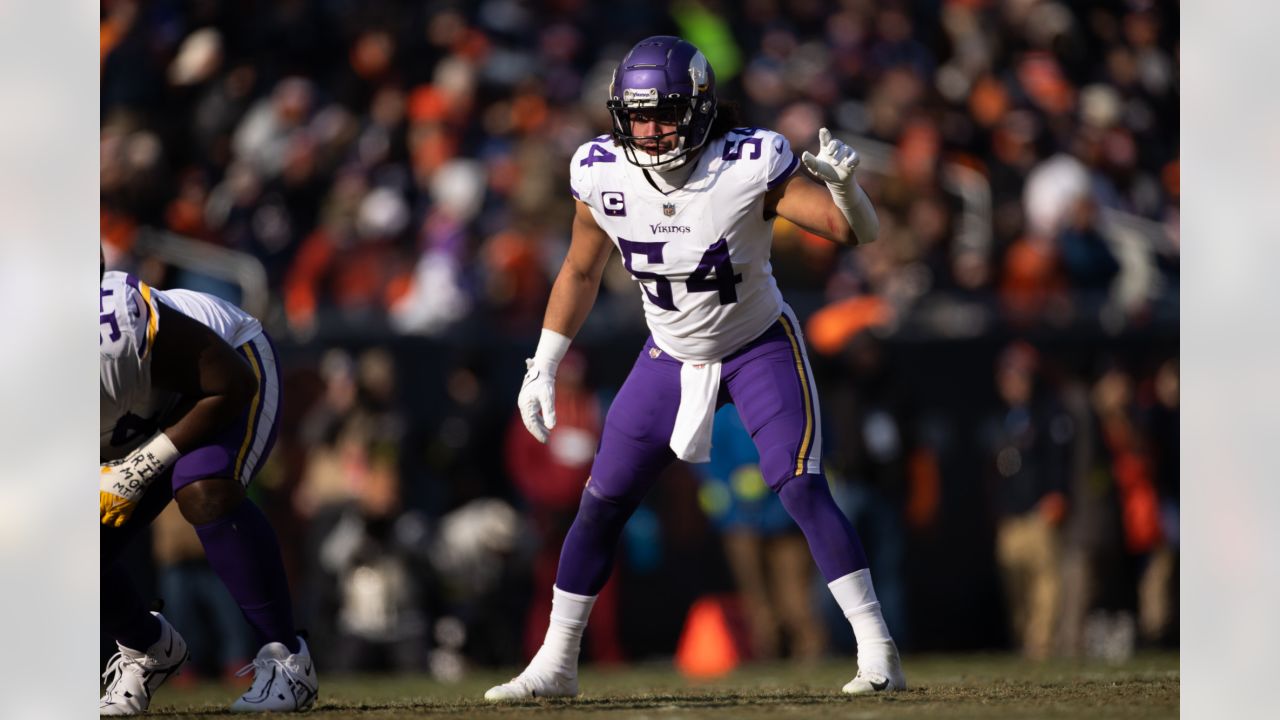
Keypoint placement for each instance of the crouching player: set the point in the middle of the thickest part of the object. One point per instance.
(190, 398)
(689, 199)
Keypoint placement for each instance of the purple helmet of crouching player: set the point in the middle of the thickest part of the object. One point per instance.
(673, 80)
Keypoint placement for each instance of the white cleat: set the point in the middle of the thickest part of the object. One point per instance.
(878, 677)
(282, 682)
(132, 676)
(529, 684)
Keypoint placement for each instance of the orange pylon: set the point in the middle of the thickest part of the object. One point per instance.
(707, 647)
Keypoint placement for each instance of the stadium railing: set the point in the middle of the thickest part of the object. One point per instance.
(212, 261)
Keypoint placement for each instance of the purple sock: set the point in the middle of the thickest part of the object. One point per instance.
(832, 539)
(587, 555)
(122, 616)
(243, 551)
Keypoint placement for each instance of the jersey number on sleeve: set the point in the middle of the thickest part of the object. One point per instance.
(596, 154)
(733, 150)
(108, 318)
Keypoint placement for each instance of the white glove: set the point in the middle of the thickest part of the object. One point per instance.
(835, 162)
(122, 483)
(537, 401)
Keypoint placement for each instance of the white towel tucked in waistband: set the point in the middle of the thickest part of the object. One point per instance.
(699, 388)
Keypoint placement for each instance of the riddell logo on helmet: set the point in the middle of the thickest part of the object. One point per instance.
(640, 96)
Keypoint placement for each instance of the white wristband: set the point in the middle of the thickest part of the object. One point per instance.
(551, 349)
(137, 469)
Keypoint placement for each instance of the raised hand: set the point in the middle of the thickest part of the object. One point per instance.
(835, 161)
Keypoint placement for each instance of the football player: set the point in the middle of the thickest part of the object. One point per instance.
(190, 400)
(689, 200)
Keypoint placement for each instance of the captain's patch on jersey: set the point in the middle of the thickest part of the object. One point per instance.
(614, 204)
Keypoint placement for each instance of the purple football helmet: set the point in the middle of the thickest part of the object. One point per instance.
(668, 79)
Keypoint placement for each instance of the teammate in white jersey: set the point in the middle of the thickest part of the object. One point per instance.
(689, 201)
(190, 399)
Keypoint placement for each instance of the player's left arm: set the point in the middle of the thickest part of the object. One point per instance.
(841, 211)
(216, 385)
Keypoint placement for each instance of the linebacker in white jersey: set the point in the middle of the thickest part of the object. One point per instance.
(190, 398)
(689, 201)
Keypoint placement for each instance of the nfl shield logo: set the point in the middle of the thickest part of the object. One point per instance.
(668, 209)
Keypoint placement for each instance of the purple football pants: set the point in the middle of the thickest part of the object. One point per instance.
(770, 383)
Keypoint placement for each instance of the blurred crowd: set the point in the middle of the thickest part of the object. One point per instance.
(399, 169)
(407, 161)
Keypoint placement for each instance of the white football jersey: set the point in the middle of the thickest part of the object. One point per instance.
(700, 253)
(130, 410)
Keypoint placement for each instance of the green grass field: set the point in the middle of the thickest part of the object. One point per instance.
(951, 686)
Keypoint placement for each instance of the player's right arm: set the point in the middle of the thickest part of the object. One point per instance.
(575, 289)
(572, 296)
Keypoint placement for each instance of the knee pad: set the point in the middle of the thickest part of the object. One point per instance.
(804, 493)
(602, 514)
(778, 465)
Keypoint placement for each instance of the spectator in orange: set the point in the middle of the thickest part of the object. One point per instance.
(1032, 283)
(1134, 469)
(353, 264)
(515, 282)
